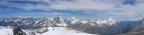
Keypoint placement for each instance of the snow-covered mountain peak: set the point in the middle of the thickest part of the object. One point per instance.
(73, 18)
(58, 19)
(109, 21)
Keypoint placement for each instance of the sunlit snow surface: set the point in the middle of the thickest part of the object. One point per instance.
(6, 32)
(56, 31)
(63, 31)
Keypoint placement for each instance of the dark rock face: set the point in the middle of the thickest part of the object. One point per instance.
(18, 31)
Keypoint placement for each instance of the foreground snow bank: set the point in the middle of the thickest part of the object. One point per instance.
(10, 32)
(63, 31)
(52, 31)
(6, 32)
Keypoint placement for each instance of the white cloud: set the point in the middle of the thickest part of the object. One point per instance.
(43, 13)
(84, 5)
(69, 5)
(129, 11)
(114, 7)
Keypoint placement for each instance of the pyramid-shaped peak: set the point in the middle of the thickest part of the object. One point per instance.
(73, 17)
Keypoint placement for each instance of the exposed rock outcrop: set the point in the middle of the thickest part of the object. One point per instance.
(18, 31)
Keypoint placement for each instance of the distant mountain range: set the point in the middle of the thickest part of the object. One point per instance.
(100, 26)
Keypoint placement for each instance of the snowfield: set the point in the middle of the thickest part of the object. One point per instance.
(6, 32)
(64, 31)
(52, 31)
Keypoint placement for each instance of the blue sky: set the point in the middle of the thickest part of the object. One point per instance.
(93, 9)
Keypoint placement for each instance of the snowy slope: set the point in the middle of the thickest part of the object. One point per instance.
(6, 32)
(56, 31)
(10, 32)
(62, 31)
